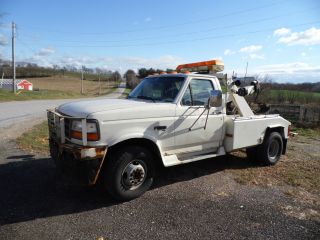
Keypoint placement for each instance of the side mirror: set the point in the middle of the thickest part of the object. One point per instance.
(215, 99)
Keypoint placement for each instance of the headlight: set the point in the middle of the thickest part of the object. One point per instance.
(92, 130)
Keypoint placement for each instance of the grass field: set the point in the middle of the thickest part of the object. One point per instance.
(289, 96)
(59, 87)
(71, 84)
(43, 94)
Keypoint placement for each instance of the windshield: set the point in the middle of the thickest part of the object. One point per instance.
(163, 89)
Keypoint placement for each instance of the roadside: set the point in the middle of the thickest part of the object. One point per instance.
(126, 92)
(296, 174)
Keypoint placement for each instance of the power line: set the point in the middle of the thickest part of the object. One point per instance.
(193, 32)
(171, 25)
(182, 41)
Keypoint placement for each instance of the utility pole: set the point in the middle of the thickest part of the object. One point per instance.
(13, 60)
(82, 80)
(99, 84)
(246, 72)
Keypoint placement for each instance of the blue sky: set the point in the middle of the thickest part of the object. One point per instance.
(278, 38)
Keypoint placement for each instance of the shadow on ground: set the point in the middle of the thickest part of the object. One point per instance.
(32, 188)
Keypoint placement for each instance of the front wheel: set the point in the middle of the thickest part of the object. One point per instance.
(271, 149)
(129, 172)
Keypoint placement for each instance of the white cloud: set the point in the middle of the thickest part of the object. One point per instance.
(250, 49)
(281, 31)
(228, 52)
(256, 56)
(310, 36)
(130, 62)
(3, 40)
(78, 62)
(121, 64)
(290, 68)
(46, 51)
(303, 54)
(148, 19)
(291, 72)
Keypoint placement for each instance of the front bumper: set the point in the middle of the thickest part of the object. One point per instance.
(80, 161)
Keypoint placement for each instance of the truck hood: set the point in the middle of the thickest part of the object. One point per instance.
(100, 107)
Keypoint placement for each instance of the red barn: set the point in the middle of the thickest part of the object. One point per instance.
(24, 84)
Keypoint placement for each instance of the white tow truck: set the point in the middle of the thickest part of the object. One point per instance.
(167, 120)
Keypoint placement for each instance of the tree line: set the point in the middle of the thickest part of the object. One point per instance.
(32, 70)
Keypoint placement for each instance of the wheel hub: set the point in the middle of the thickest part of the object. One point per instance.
(273, 149)
(133, 175)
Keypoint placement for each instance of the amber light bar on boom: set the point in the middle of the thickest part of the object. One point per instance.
(212, 66)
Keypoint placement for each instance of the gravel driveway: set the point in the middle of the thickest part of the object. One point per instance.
(195, 201)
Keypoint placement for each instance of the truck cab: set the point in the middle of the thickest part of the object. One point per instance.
(167, 120)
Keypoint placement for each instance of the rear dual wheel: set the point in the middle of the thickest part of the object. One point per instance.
(269, 152)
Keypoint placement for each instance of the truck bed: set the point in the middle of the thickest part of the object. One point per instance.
(243, 132)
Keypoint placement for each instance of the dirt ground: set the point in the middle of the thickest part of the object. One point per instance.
(296, 175)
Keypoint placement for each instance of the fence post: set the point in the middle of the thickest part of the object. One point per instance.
(301, 114)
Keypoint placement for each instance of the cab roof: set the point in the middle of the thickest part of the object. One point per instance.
(183, 75)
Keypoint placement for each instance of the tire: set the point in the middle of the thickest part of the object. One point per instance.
(129, 172)
(269, 152)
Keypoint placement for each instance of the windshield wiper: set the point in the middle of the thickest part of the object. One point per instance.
(147, 98)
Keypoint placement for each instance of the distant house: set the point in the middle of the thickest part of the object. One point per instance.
(25, 85)
(21, 84)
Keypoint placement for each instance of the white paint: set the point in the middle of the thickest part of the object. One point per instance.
(122, 119)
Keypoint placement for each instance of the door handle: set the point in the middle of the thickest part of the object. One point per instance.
(217, 112)
(160, 128)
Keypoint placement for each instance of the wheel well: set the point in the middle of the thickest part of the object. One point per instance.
(281, 131)
(143, 142)
(275, 129)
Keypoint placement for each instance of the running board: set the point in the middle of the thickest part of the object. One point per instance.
(172, 160)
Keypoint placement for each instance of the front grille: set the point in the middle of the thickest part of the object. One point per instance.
(54, 122)
(51, 124)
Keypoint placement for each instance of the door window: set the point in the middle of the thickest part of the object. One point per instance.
(197, 93)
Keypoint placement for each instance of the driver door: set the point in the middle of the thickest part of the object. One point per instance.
(202, 137)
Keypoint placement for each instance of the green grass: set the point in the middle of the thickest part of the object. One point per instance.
(307, 132)
(294, 96)
(43, 94)
(36, 139)
(126, 92)
(224, 89)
